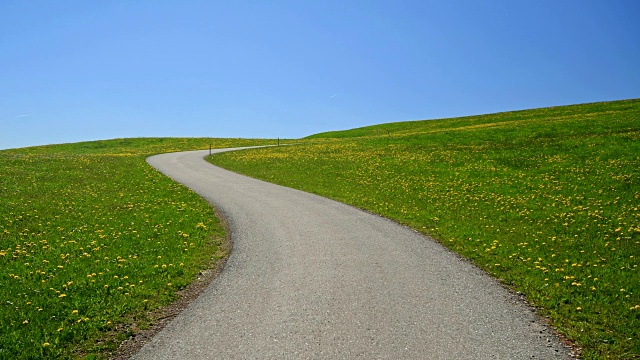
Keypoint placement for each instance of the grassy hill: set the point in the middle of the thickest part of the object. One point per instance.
(92, 239)
(546, 200)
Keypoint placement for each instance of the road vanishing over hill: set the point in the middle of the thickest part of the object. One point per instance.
(312, 278)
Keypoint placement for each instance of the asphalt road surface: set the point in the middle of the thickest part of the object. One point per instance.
(313, 278)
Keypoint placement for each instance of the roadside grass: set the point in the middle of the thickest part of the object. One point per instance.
(546, 200)
(92, 239)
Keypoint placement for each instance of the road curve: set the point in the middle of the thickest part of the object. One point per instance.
(313, 278)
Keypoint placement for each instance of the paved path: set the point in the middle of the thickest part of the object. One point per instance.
(313, 278)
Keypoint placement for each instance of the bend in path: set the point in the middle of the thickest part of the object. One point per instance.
(309, 277)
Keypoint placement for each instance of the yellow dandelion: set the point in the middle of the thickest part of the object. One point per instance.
(75, 312)
(62, 295)
(46, 344)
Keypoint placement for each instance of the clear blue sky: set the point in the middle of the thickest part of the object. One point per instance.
(86, 70)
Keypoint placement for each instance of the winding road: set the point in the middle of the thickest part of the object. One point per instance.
(312, 278)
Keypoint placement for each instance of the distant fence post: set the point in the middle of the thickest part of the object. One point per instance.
(209, 149)
(278, 141)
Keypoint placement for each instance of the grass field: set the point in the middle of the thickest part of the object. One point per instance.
(92, 239)
(546, 200)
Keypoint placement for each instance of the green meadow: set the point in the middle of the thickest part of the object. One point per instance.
(546, 200)
(92, 239)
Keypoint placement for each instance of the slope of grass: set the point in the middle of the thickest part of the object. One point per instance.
(546, 200)
(91, 239)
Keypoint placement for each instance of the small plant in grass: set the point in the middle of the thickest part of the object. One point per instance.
(547, 200)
